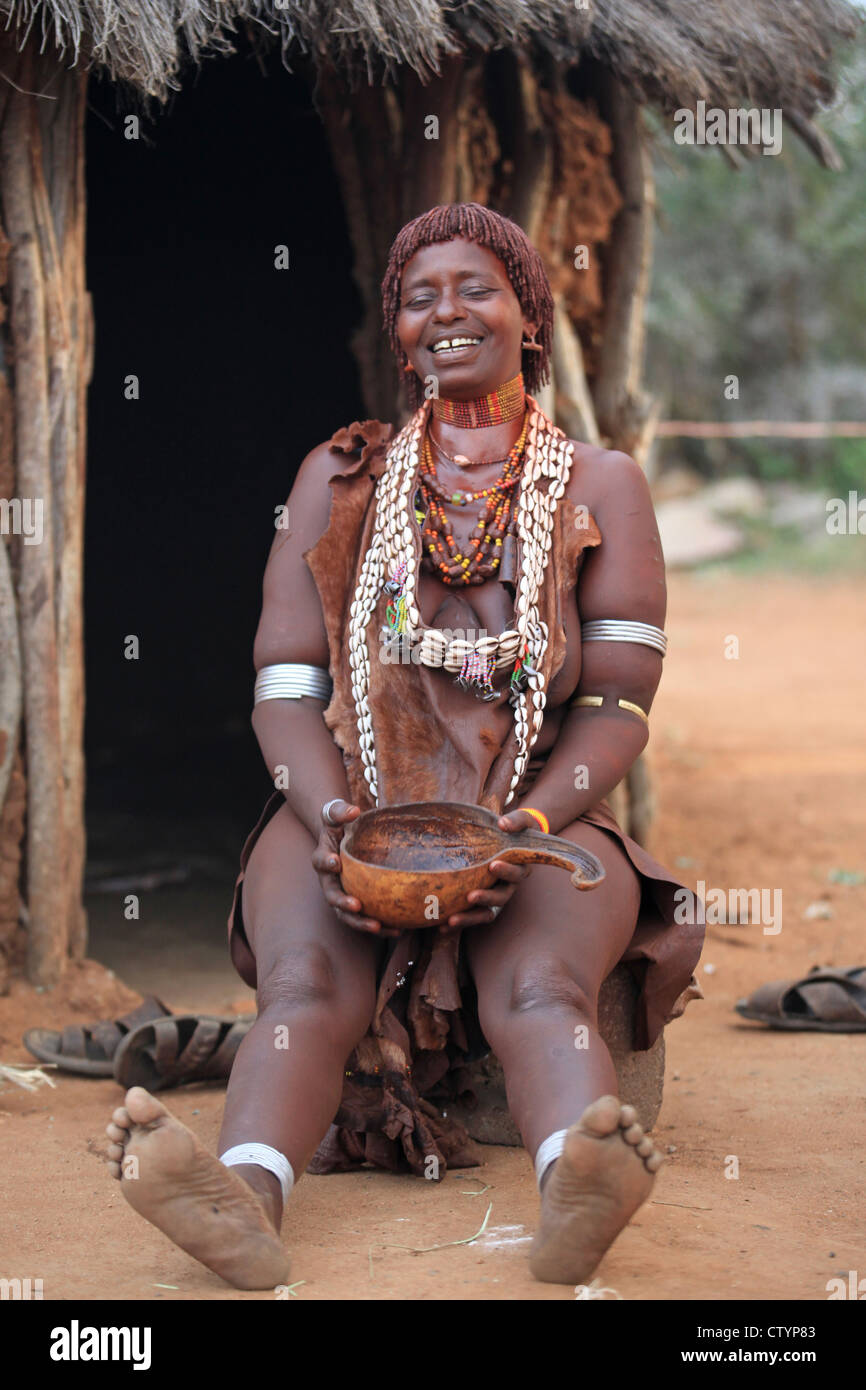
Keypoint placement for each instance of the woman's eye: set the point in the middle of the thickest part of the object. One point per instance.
(477, 291)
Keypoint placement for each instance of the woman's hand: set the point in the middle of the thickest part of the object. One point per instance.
(487, 903)
(326, 862)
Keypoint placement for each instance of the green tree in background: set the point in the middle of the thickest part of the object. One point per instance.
(759, 274)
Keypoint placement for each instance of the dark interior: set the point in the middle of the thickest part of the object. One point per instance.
(242, 369)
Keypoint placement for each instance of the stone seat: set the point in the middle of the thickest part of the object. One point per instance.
(640, 1074)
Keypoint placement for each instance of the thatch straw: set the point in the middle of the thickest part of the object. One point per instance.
(671, 53)
(29, 1078)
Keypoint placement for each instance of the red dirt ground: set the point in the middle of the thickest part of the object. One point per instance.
(759, 765)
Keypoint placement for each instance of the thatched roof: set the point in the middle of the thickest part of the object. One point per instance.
(672, 53)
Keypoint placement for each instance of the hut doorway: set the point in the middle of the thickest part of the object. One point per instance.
(214, 373)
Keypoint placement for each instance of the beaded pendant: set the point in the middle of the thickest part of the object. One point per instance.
(476, 674)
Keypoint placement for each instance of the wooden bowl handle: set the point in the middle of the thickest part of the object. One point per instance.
(532, 847)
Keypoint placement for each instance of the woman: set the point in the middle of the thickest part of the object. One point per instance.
(488, 597)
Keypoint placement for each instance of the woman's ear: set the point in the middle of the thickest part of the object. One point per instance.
(529, 331)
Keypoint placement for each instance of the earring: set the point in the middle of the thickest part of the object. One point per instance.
(408, 368)
(530, 345)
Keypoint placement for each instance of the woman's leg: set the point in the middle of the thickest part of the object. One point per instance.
(538, 971)
(316, 994)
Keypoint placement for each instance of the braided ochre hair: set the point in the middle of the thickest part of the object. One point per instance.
(513, 248)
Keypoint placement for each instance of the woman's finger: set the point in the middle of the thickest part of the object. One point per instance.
(326, 859)
(491, 897)
(512, 873)
(358, 923)
(344, 903)
(517, 820)
(476, 917)
(365, 924)
(340, 812)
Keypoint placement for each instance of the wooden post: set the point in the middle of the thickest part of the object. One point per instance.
(621, 408)
(574, 408)
(60, 210)
(45, 837)
(49, 345)
(389, 172)
(626, 415)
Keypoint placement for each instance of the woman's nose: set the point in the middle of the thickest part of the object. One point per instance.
(448, 308)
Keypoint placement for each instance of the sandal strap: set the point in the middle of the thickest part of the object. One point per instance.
(200, 1047)
(835, 996)
(149, 1009)
(107, 1033)
(73, 1041)
(220, 1064)
(166, 1041)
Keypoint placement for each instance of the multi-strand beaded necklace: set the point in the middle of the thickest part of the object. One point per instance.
(484, 547)
(392, 564)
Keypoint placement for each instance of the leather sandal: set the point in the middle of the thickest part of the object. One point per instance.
(89, 1050)
(826, 1000)
(178, 1049)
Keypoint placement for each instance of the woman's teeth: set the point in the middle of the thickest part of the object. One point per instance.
(454, 344)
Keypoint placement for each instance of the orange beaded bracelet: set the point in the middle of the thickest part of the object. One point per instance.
(540, 817)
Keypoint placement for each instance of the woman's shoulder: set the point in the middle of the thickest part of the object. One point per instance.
(355, 447)
(350, 449)
(605, 479)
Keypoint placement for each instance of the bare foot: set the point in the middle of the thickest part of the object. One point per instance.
(605, 1172)
(205, 1208)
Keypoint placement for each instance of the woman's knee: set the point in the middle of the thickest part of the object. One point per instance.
(306, 976)
(541, 982)
(300, 976)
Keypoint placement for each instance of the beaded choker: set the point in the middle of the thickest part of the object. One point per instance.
(507, 402)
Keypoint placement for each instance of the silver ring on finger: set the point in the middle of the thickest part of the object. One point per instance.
(326, 811)
(495, 911)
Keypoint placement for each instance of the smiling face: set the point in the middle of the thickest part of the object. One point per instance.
(460, 319)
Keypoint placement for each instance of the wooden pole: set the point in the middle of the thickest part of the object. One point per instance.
(574, 408)
(533, 155)
(621, 407)
(10, 672)
(46, 857)
(60, 213)
(356, 126)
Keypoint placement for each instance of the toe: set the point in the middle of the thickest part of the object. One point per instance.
(116, 1132)
(121, 1117)
(627, 1116)
(115, 1152)
(114, 1169)
(144, 1108)
(655, 1161)
(646, 1147)
(633, 1134)
(602, 1117)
